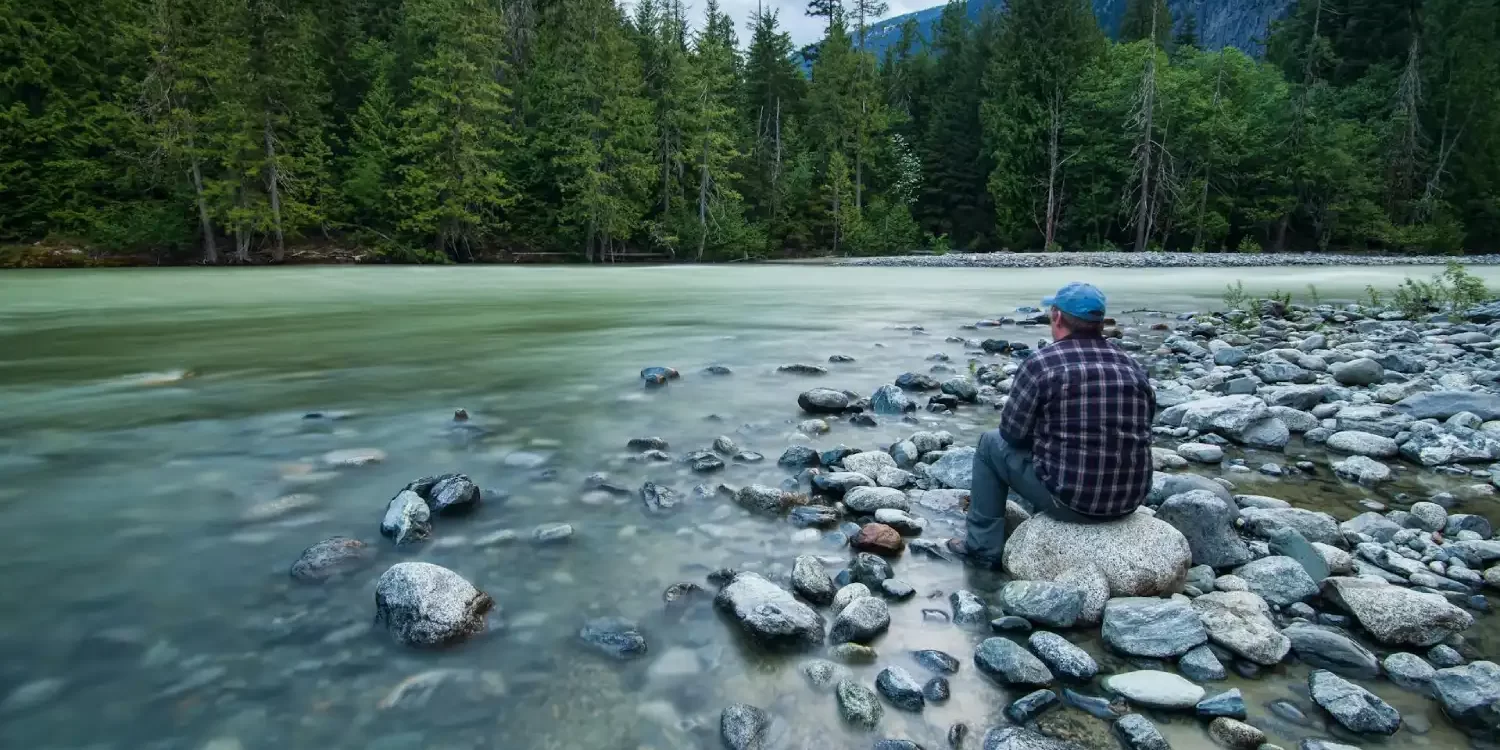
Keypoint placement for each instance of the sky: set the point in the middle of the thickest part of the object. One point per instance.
(792, 14)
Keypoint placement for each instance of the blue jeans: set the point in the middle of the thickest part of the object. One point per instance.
(1000, 468)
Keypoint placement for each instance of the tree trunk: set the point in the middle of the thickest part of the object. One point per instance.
(273, 186)
(703, 202)
(210, 246)
(1208, 165)
(1054, 167)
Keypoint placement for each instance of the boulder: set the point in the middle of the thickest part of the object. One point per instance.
(1362, 371)
(422, 604)
(1300, 397)
(1470, 695)
(1201, 665)
(871, 499)
(1207, 521)
(1137, 732)
(1008, 663)
(1452, 445)
(1045, 603)
(869, 463)
(1241, 622)
(769, 613)
(1228, 415)
(968, 609)
(1356, 708)
(1268, 434)
(1150, 688)
(331, 558)
(879, 539)
(811, 581)
(1288, 542)
(858, 704)
(1021, 738)
(1396, 616)
(407, 518)
(744, 727)
(1314, 526)
(1363, 469)
(1235, 734)
(1062, 657)
(900, 688)
(1279, 580)
(1409, 671)
(1135, 556)
(823, 401)
(1375, 419)
(1153, 628)
(1444, 404)
(861, 621)
(1331, 649)
(1203, 453)
(888, 399)
(1165, 485)
(955, 470)
(871, 570)
(756, 498)
(1363, 444)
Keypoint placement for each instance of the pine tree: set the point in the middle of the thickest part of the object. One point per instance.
(454, 128)
(370, 172)
(1146, 19)
(774, 90)
(953, 198)
(1043, 48)
(1187, 33)
(712, 134)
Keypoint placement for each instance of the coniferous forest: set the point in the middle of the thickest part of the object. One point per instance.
(230, 131)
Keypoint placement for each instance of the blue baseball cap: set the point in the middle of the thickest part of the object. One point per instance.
(1082, 301)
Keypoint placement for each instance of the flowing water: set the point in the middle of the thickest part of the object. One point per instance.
(153, 424)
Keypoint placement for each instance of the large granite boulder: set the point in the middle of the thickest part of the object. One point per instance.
(1135, 556)
(422, 604)
(1314, 526)
(1396, 616)
(1444, 404)
(769, 613)
(1470, 695)
(1279, 580)
(1356, 708)
(955, 470)
(1331, 649)
(1046, 603)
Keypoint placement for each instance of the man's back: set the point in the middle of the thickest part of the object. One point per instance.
(1086, 408)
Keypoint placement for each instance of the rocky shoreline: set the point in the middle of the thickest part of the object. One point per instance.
(1159, 260)
(1202, 581)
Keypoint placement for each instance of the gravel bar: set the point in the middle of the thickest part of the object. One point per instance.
(1161, 260)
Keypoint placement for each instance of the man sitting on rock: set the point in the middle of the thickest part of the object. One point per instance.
(1075, 437)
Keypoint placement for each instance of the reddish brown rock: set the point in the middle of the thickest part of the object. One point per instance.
(879, 539)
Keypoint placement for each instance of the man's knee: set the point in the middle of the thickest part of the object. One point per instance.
(993, 444)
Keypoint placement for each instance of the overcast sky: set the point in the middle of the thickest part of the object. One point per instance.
(793, 14)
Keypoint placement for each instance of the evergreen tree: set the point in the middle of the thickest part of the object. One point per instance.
(1187, 33)
(773, 92)
(1044, 46)
(953, 197)
(1146, 19)
(713, 138)
(455, 126)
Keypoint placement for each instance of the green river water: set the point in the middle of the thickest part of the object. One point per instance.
(150, 420)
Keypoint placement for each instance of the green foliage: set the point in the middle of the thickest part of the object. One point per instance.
(938, 244)
(1454, 291)
(1373, 297)
(1312, 295)
(1235, 297)
(222, 130)
(1249, 245)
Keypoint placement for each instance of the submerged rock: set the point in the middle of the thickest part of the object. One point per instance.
(858, 704)
(332, 557)
(861, 621)
(1470, 695)
(407, 518)
(422, 604)
(744, 727)
(616, 637)
(1356, 708)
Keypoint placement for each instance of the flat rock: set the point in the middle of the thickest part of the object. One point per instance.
(1444, 404)
(1008, 663)
(1154, 628)
(1135, 556)
(1362, 469)
(769, 613)
(871, 499)
(1279, 580)
(1241, 622)
(1396, 616)
(1409, 671)
(1362, 444)
(1314, 526)
(1470, 695)
(615, 637)
(1229, 703)
(1045, 603)
(1153, 689)
(330, 558)
(1331, 649)
(1356, 708)
(422, 604)
(869, 463)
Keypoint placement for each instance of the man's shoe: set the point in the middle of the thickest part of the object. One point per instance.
(959, 547)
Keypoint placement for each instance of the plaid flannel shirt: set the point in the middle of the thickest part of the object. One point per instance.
(1084, 407)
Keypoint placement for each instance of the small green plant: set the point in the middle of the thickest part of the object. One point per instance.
(1199, 249)
(1373, 296)
(1249, 245)
(1054, 248)
(1285, 298)
(1235, 297)
(1414, 298)
(939, 244)
(1312, 295)
(1463, 290)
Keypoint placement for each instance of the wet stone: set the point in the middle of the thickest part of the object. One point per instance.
(822, 674)
(968, 609)
(858, 704)
(900, 688)
(1010, 664)
(1200, 665)
(1062, 657)
(1357, 709)
(1028, 707)
(1136, 732)
(744, 727)
(616, 637)
(1229, 703)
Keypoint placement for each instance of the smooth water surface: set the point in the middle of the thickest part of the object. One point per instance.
(151, 419)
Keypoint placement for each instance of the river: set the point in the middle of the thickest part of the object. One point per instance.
(150, 419)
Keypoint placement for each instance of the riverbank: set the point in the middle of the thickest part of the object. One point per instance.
(1160, 260)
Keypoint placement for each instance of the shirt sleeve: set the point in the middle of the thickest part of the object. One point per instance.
(1018, 419)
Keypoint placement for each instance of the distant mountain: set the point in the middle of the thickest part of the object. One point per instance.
(1221, 23)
